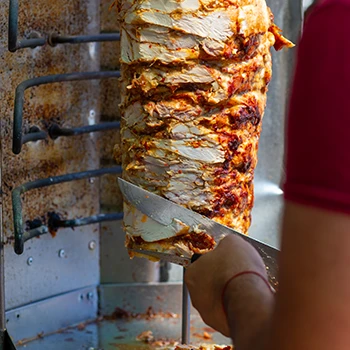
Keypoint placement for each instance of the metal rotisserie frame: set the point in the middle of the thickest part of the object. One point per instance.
(61, 208)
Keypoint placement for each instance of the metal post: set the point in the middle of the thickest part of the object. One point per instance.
(2, 289)
(5, 340)
(186, 313)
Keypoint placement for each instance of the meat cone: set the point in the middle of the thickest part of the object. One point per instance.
(194, 82)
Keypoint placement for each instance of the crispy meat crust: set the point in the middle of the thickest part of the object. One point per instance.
(194, 84)
(198, 243)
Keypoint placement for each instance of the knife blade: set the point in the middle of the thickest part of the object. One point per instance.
(164, 211)
(174, 259)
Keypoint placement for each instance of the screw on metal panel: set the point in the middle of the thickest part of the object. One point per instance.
(90, 295)
(18, 315)
(92, 245)
(61, 253)
(81, 297)
(30, 261)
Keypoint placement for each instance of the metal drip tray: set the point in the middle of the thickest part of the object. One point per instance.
(73, 321)
(121, 334)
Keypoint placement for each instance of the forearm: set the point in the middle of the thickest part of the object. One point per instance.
(249, 319)
(312, 306)
(238, 302)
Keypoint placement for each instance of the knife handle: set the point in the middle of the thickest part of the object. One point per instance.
(195, 257)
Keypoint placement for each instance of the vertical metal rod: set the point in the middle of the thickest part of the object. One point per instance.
(13, 25)
(2, 288)
(186, 313)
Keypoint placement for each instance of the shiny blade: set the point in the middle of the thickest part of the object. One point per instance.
(164, 211)
(179, 260)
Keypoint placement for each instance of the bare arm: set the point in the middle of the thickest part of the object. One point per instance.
(313, 304)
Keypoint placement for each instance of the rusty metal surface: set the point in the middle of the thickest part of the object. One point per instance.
(70, 105)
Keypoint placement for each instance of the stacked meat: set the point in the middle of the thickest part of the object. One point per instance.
(194, 83)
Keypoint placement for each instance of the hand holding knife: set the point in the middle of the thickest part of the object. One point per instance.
(164, 211)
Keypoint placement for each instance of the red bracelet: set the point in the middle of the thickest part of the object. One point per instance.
(241, 274)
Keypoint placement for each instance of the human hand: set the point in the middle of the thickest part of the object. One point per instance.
(207, 277)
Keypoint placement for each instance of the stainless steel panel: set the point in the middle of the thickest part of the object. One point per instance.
(52, 314)
(270, 170)
(119, 333)
(116, 265)
(49, 274)
(267, 216)
(137, 297)
(307, 3)
(111, 335)
(72, 339)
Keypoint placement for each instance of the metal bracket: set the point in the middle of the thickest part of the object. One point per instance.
(53, 39)
(22, 236)
(56, 131)
(35, 133)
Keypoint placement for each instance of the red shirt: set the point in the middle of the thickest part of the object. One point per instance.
(318, 129)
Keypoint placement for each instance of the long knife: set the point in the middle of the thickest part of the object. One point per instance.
(164, 211)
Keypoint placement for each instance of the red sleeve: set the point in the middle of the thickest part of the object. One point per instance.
(318, 128)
